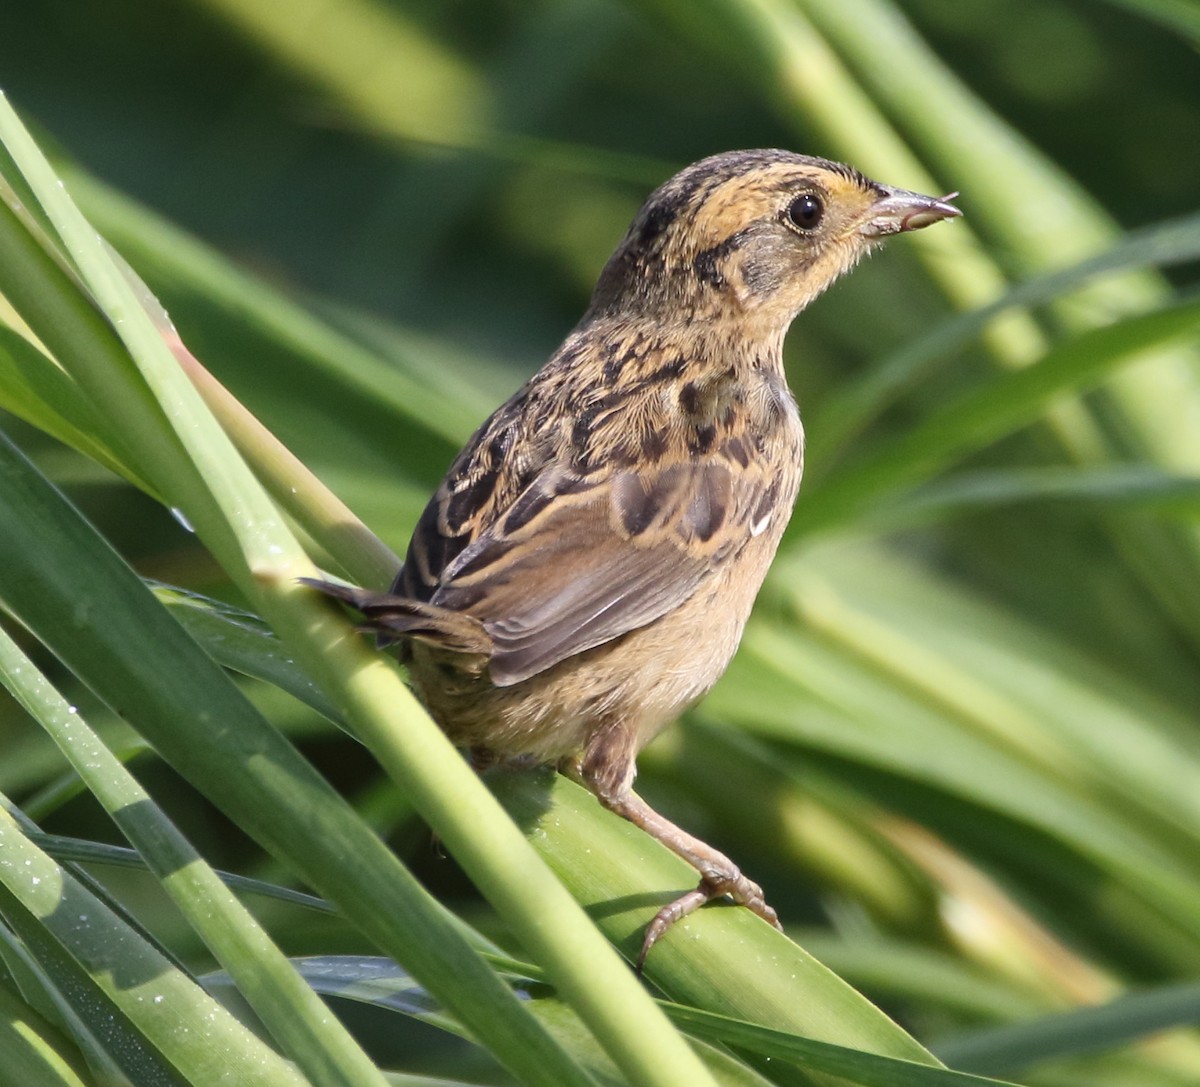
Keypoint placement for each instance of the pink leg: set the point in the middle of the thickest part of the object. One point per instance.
(607, 769)
(719, 876)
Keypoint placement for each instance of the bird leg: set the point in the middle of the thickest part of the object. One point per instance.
(719, 876)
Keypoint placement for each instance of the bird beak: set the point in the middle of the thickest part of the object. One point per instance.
(899, 210)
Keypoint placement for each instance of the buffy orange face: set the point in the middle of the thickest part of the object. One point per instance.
(709, 242)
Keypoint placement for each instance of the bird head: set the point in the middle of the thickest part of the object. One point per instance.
(753, 236)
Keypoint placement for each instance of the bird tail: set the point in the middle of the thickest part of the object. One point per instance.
(392, 617)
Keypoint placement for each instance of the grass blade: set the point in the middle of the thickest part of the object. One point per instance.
(195, 464)
(1013, 1048)
(298, 1019)
(999, 407)
(151, 1019)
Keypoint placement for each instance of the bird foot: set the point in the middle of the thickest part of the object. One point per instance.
(729, 883)
(719, 876)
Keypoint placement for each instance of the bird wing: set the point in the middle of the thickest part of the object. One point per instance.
(576, 561)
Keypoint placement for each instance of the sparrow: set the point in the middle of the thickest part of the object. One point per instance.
(585, 570)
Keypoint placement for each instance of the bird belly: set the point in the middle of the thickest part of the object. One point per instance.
(635, 684)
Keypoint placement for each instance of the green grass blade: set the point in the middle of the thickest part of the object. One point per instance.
(773, 45)
(237, 640)
(34, 389)
(1011, 1049)
(778, 46)
(1181, 16)
(851, 408)
(421, 90)
(1041, 214)
(724, 960)
(292, 486)
(121, 988)
(82, 851)
(175, 694)
(866, 1069)
(297, 1018)
(895, 671)
(197, 467)
(41, 292)
(999, 407)
(381, 984)
(364, 380)
(1124, 487)
(33, 1053)
(898, 969)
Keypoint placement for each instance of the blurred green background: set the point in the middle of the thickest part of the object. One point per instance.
(960, 746)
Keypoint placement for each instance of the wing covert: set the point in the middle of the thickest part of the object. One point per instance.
(574, 563)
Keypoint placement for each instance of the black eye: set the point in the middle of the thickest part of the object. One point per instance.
(805, 211)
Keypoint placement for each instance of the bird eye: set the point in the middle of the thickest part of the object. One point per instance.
(805, 211)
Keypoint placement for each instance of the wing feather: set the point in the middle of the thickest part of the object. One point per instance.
(575, 564)
(555, 553)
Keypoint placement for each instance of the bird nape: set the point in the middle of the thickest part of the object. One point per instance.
(585, 570)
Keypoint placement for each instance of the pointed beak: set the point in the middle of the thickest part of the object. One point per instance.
(899, 210)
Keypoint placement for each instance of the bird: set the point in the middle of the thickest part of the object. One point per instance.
(585, 570)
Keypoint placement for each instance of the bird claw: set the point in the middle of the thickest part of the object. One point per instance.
(743, 891)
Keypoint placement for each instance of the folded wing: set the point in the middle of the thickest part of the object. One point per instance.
(575, 561)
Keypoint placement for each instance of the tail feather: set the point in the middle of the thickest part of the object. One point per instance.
(391, 617)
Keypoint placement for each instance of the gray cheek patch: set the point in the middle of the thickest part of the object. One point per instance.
(761, 275)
